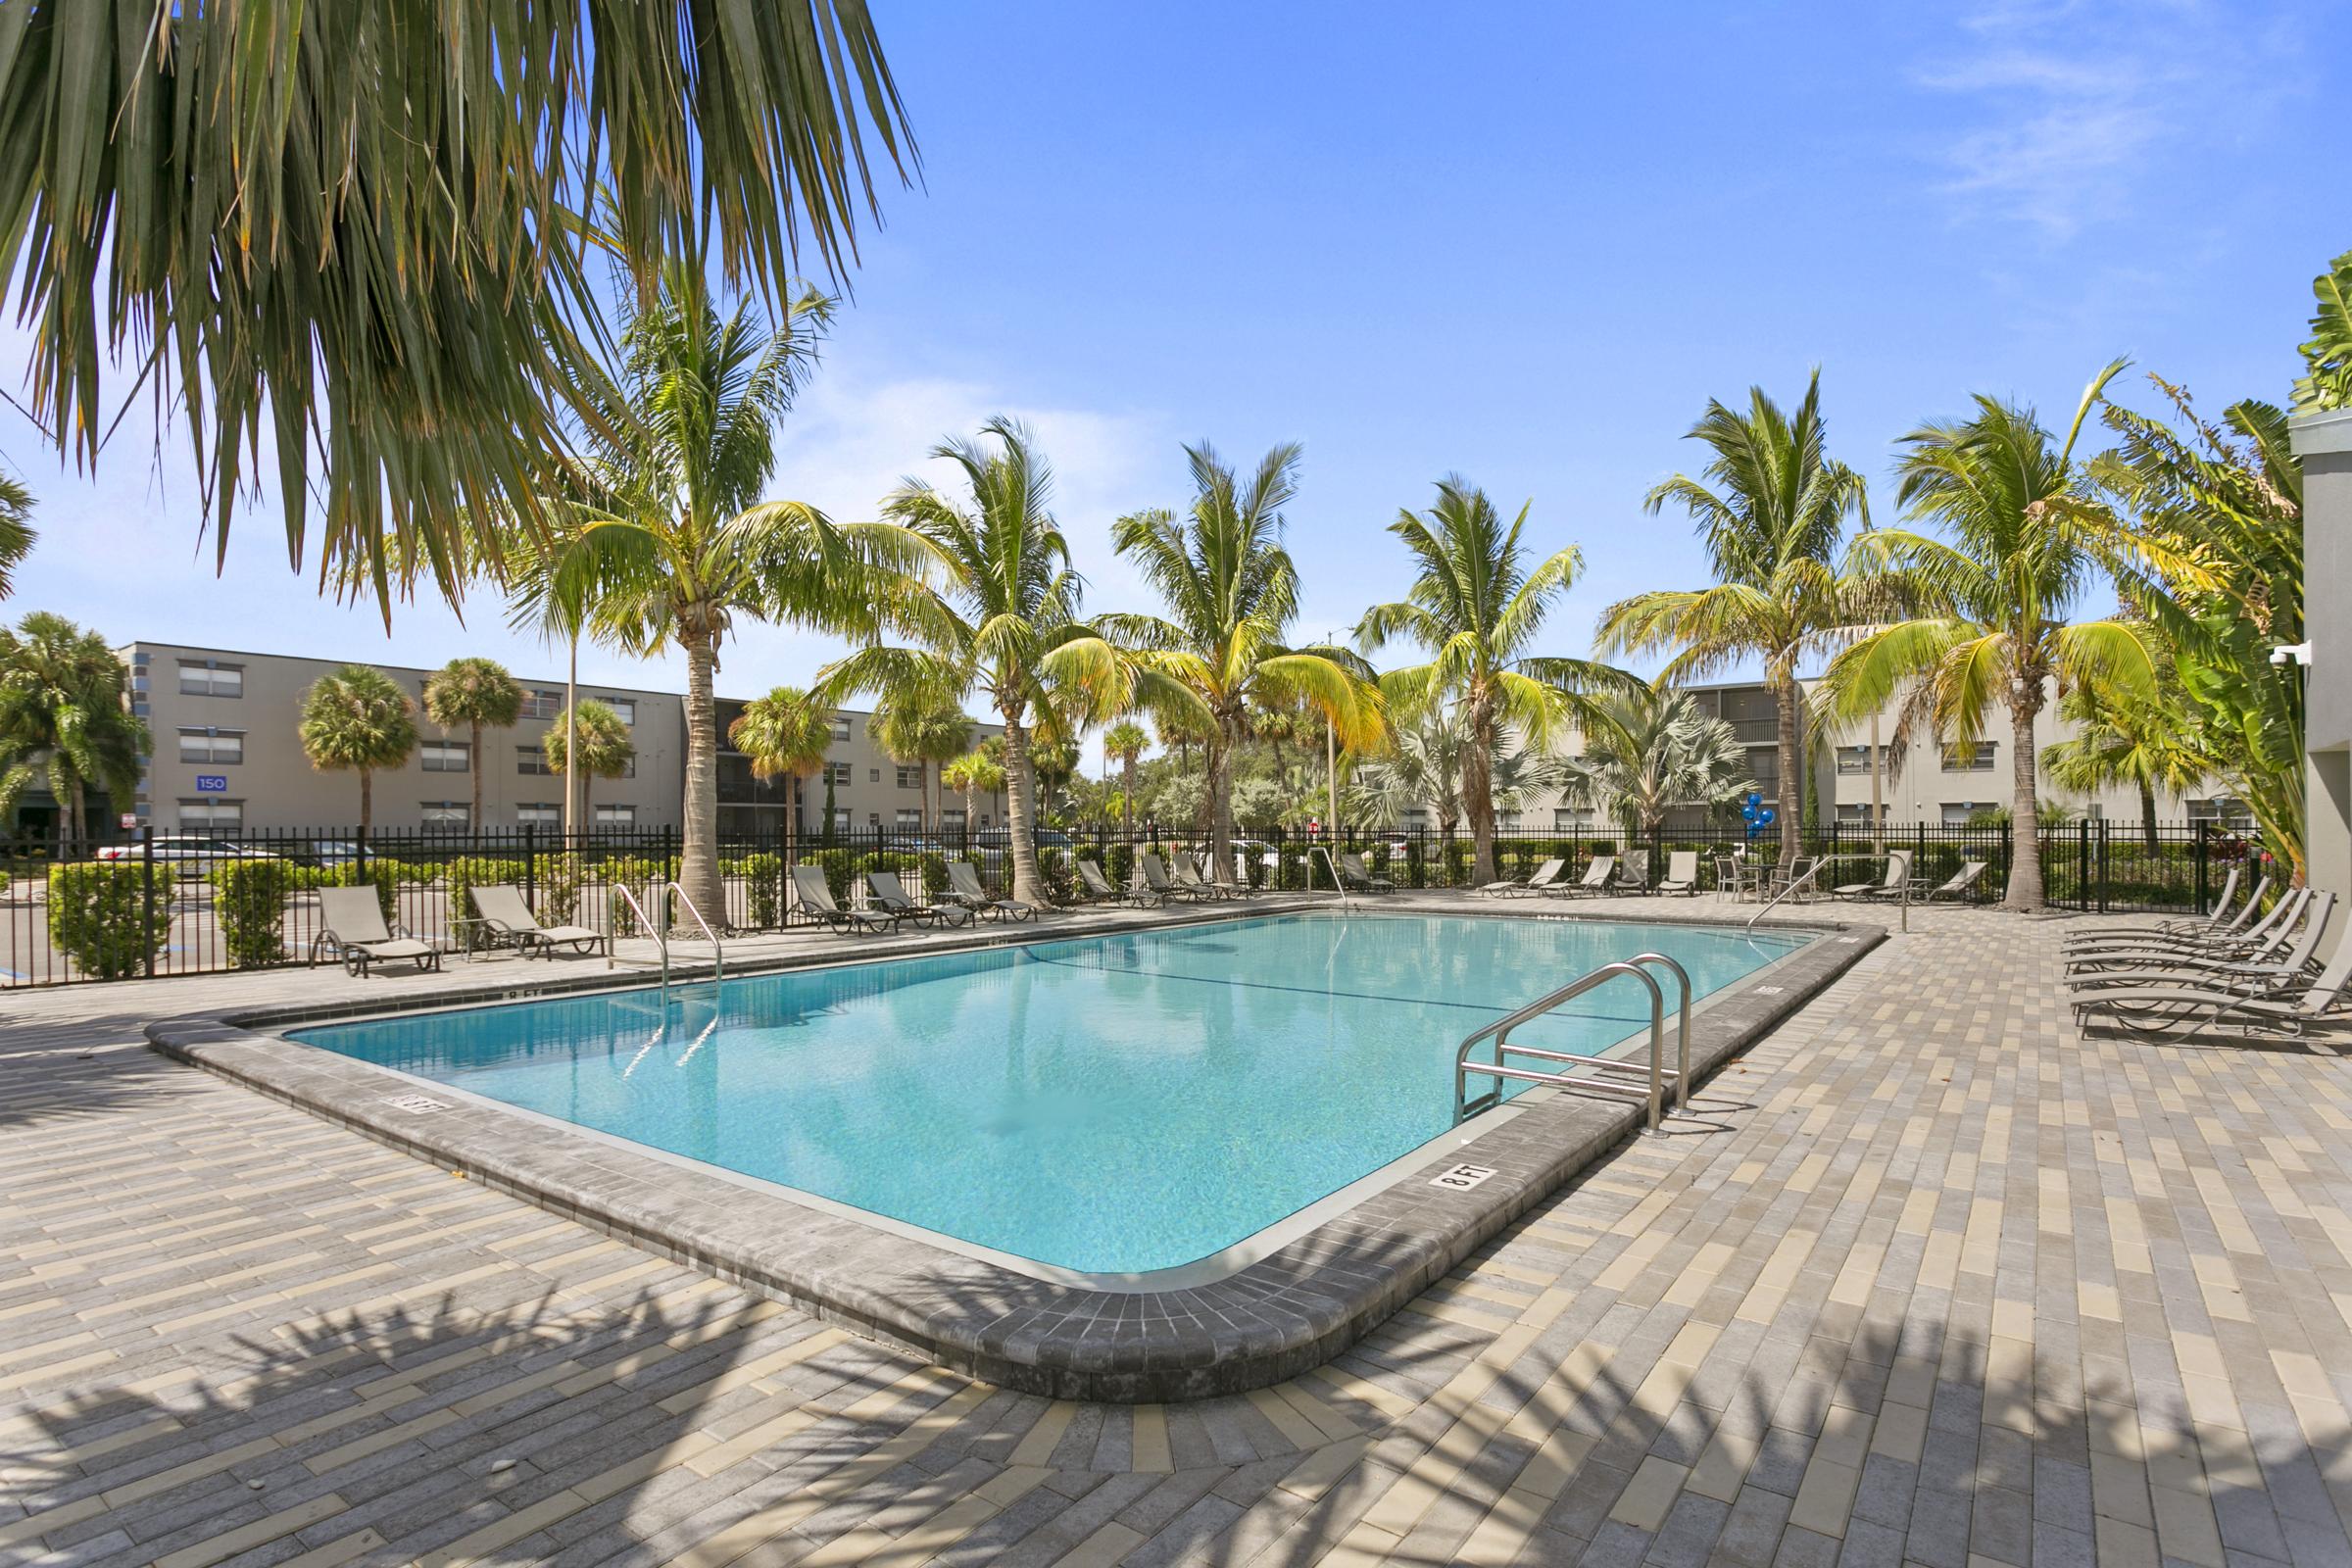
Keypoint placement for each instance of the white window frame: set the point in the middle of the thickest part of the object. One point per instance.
(209, 674)
(446, 813)
(538, 813)
(209, 750)
(616, 813)
(434, 756)
(212, 807)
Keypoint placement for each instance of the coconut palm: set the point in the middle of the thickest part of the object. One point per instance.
(1232, 591)
(476, 692)
(1476, 607)
(972, 775)
(357, 720)
(924, 733)
(1420, 764)
(1771, 507)
(785, 735)
(1649, 751)
(15, 531)
(594, 732)
(680, 545)
(1125, 743)
(352, 232)
(988, 605)
(2125, 741)
(2022, 539)
(64, 719)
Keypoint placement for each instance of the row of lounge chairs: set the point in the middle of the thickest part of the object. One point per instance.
(2245, 965)
(888, 907)
(354, 932)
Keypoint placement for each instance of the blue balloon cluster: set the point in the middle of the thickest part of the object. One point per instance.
(1756, 814)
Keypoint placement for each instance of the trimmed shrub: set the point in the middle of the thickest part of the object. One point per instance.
(841, 870)
(1118, 864)
(97, 917)
(250, 899)
(763, 888)
(935, 873)
(557, 878)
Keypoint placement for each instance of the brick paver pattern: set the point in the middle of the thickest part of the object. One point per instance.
(1964, 1287)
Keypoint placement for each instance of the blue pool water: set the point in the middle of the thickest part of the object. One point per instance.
(1108, 1103)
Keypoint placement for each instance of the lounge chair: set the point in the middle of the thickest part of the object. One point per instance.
(1240, 884)
(1682, 873)
(2221, 922)
(2238, 941)
(1156, 877)
(353, 930)
(1956, 885)
(1633, 873)
(889, 895)
(1100, 888)
(964, 889)
(1186, 872)
(2202, 1000)
(816, 902)
(2287, 953)
(1354, 870)
(509, 922)
(1892, 885)
(1599, 873)
(1510, 888)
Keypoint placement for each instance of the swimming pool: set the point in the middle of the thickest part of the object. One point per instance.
(1110, 1104)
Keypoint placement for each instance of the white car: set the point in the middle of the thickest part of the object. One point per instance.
(185, 854)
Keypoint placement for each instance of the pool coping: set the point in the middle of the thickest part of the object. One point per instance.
(1292, 1309)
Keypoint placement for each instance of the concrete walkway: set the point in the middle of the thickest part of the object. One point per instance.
(1964, 1289)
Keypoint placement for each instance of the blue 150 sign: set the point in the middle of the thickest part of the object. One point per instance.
(1756, 814)
(212, 783)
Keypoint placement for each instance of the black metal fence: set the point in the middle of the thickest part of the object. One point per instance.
(165, 905)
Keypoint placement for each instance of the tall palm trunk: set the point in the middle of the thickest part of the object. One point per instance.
(1478, 790)
(575, 792)
(698, 862)
(1220, 788)
(1020, 808)
(1789, 700)
(473, 766)
(1127, 794)
(366, 801)
(2025, 811)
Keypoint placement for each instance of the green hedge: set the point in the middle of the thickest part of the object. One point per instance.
(250, 899)
(97, 917)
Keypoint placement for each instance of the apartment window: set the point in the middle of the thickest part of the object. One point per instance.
(211, 816)
(615, 815)
(2221, 808)
(446, 813)
(1957, 813)
(951, 819)
(212, 746)
(841, 727)
(1507, 821)
(538, 813)
(626, 706)
(445, 756)
(911, 778)
(531, 761)
(541, 704)
(1856, 758)
(1567, 817)
(1854, 816)
(874, 775)
(837, 774)
(204, 677)
(873, 819)
(910, 819)
(1979, 762)
(843, 817)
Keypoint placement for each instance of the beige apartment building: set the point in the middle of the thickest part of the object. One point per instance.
(1930, 784)
(227, 758)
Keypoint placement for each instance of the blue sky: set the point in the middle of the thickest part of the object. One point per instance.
(1526, 244)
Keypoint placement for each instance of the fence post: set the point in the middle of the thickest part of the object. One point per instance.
(2082, 863)
(2105, 865)
(2203, 848)
(530, 864)
(147, 896)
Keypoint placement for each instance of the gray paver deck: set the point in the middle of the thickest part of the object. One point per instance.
(1964, 1289)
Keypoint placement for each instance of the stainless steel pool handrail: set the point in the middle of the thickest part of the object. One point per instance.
(718, 951)
(1499, 1032)
(1811, 873)
(1682, 1041)
(1339, 883)
(661, 937)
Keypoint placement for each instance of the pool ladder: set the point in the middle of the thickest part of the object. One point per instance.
(660, 928)
(1599, 1077)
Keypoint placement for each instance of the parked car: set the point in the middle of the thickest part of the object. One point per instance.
(187, 855)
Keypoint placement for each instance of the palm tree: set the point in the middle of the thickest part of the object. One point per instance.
(1125, 743)
(602, 742)
(912, 730)
(15, 531)
(1771, 508)
(1647, 751)
(356, 232)
(681, 544)
(785, 735)
(990, 606)
(475, 693)
(971, 775)
(1420, 764)
(1232, 591)
(2128, 741)
(2025, 540)
(1477, 608)
(550, 577)
(357, 718)
(65, 718)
